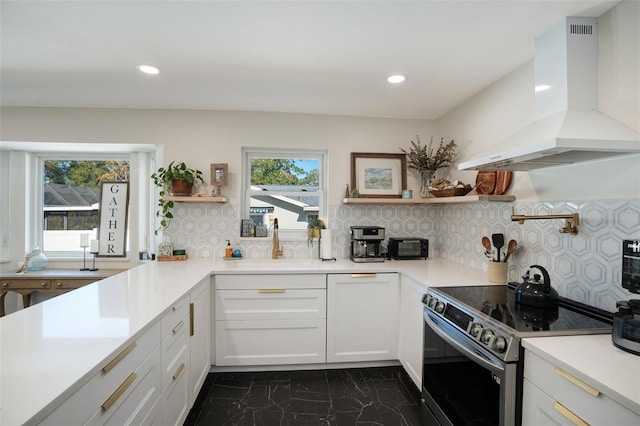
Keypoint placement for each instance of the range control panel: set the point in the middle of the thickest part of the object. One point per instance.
(631, 265)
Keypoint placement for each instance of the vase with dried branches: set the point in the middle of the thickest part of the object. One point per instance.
(426, 162)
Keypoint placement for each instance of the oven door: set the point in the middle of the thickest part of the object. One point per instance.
(462, 383)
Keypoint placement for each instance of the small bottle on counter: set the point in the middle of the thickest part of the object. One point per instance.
(228, 251)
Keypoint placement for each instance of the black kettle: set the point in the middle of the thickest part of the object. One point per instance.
(534, 293)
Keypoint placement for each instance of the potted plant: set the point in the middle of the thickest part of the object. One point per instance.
(426, 162)
(313, 229)
(176, 179)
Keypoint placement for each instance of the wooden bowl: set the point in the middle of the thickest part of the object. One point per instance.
(451, 192)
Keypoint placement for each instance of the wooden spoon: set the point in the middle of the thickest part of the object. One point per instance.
(511, 247)
(486, 243)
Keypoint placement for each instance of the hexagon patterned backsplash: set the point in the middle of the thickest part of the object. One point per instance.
(585, 267)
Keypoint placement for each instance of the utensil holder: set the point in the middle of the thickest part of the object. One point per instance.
(498, 272)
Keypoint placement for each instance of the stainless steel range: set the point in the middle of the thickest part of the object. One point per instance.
(473, 360)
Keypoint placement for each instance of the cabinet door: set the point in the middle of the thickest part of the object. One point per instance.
(538, 408)
(362, 317)
(199, 337)
(411, 328)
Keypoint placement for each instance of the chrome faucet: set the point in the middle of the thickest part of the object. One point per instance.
(276, 249)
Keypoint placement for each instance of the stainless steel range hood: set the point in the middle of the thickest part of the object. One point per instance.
(569, 128)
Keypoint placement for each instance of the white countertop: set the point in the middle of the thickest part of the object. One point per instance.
(594, 360)
(50, 349)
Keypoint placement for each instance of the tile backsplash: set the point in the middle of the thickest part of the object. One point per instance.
(585, 267)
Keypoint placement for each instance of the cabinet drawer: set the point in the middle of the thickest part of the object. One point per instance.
(269, 304)
(70, 283)
(174, 348)
(175, 396)
(173, 320)
(88, 399)
(25, 284)
(585, 401)
(135, 403)
(270, 342)
(254, 282)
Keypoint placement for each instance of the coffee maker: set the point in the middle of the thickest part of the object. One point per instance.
(626, 321)
(366, 244)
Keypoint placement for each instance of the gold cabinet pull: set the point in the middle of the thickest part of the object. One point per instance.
(582, 385)
(118, 392)
(43, 284)
(59, 284)
(178, 371)
(570, 415)
(192, 330)
(271, 290)
(5, 284)
(119, 357)
(363, 275)
(177, 327)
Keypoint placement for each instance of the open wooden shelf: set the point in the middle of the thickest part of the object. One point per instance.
(191, 199)
(432, 200)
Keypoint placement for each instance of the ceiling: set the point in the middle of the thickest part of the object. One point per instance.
(322, 57)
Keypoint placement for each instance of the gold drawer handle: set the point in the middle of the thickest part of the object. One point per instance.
(59, 285)
(118, 392)
(43, 284)
(119, 358)
(5, 285)
(192, 330)
(178, 371)
(570, 415)
(272, 290)
(177, 327)
(363, 275)
(582, 385)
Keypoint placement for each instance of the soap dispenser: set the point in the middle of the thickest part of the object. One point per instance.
(228, 251)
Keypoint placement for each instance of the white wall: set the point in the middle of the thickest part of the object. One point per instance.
(509, 104)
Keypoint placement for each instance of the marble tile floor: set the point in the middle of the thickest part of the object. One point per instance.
(344, 397)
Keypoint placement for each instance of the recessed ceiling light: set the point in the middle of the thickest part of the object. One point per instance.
(148, 69)
(397, 78)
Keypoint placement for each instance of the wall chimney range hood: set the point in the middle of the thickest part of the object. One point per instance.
(569, 128)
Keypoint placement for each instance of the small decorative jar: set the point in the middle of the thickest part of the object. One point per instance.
(37, 260)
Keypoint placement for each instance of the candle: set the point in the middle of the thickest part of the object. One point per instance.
(95, 246)
(84, 240)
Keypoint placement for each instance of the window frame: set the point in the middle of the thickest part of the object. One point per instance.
(40, 159)
(249, 154)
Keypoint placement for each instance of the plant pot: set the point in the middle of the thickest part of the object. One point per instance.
(180, 188)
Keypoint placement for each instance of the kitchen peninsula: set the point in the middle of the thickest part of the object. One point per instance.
(82, 331)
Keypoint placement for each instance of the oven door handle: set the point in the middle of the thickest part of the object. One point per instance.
(445, 331)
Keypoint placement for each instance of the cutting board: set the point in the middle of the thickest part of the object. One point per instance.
(503, 181)
(486, 182)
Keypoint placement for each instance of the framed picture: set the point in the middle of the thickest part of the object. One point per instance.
(378, 175)
(219, 174)
(114, 207)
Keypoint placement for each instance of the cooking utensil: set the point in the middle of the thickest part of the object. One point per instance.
(486, 243)
(503, 181)
(485, 182)
(511, 247)
(532, 292)
(498, 242)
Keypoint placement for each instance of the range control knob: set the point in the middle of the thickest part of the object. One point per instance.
(486, 336)
(432, 302)
(500, 344)
(439, 307)
(475, 329)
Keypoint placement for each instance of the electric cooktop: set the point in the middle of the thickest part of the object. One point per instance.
(497, 304)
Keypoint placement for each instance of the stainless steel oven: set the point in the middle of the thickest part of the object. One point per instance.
(472, 364)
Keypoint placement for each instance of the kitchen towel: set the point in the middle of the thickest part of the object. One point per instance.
(326, 251)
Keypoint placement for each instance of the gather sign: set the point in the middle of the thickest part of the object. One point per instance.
(114, 207)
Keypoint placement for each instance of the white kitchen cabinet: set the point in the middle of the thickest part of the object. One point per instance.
(362, 317)
(199, 337)
(127, 388)
(270, 319)
(175, 363)
(553, 396)
(411, 328)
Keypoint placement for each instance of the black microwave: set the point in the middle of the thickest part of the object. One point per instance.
(408, 248)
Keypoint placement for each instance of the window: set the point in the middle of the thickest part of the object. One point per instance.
(71, 195)
(289, 185)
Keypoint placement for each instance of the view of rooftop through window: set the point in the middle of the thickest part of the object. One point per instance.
(71, 193)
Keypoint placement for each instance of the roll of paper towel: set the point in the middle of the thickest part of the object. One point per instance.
(325, 244)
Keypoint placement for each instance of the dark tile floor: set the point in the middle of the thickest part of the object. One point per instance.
(367, 396)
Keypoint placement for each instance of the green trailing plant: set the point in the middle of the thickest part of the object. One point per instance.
(422, 158)
(313, 229)
(163, 179)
